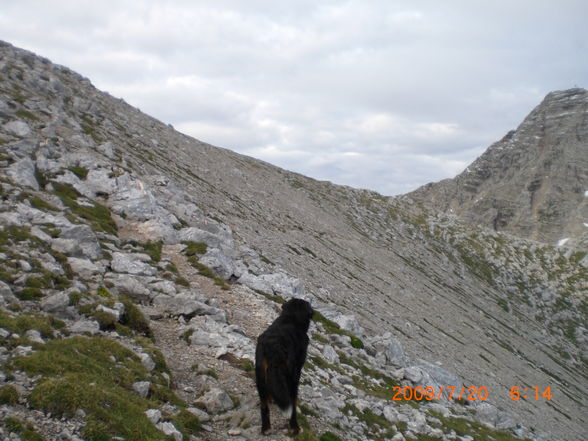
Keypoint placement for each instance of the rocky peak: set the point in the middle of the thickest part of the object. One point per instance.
(533, 182)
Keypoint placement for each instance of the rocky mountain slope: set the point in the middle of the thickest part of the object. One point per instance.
(533, 182)
(138, 266)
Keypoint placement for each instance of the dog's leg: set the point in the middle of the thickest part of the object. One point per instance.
(265, 418)
(261, 382)
(294, 427)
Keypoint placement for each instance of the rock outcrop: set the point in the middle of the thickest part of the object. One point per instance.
(533, 182)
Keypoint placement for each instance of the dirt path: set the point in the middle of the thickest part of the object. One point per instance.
(195, 369)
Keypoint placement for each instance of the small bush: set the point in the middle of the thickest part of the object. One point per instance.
(134, 318)
(80, 172)
(9, 395)
(29, 294)
(103, 292)
(187, 423)
(195, 248)
(74, 298)
(153, 249)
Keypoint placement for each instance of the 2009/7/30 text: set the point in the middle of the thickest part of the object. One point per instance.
(429, 393)
(470, 393)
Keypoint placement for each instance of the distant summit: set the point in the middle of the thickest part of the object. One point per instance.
(533, 182)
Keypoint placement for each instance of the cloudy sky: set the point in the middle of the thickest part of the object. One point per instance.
(378, 94)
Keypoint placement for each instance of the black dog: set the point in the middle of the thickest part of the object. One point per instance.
(279, 357)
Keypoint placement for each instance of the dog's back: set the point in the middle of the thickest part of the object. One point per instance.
(279, 357)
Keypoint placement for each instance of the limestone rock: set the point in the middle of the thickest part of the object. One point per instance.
(23, 173)
(216, 401)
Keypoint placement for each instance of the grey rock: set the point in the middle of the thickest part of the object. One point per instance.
(390, 414)
(187, 305)
(330, 355)
(147, 361)
(85, 268)
(142, 388)
(34, 336)
(394, 353)
(22, 351)
(18, 128)
(106, 149)
(219, 238)
(116, 313)
(131, 264)
(134, 286)
(56, 303)
(219, 261)
(23, 173)
(170, 430)
(199, 413)
(84, 326)
(154, 415)
(216, 401)
(164, 286)
(24, 265)
(6, 292)
(79, 241)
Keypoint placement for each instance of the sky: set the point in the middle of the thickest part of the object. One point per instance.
(379, 94)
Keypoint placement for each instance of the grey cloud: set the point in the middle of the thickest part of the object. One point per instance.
(376, 94)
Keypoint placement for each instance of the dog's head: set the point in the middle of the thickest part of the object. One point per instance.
(300, 310)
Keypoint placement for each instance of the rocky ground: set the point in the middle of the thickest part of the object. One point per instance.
(106, 212)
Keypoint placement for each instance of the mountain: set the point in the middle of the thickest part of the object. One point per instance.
(533, 182)
(138, 265)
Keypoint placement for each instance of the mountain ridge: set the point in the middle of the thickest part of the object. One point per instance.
(446, 291)
(533, 181)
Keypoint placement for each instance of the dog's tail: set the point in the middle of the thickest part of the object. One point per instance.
(278, 385)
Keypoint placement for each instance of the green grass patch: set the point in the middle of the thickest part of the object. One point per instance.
(134, 318)
(80, 172)
(25, 431)
(503, 304)
(25, 114)
(153, 249)
(40, 204)
(94, 374)
(29, 294)
(9, 395)
(45, 324)
(195, 248)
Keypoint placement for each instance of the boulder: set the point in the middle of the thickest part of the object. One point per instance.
(85, 326)
(23, 173)
(134, 286)
(78, 241)
(17, 128)
(219, 261)
(55, 304)
(142, 388)
(131, 264)
(85, 268)
(154, 415)
(216, 400)
(187, 305)
(170, 430)
(147, 361)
